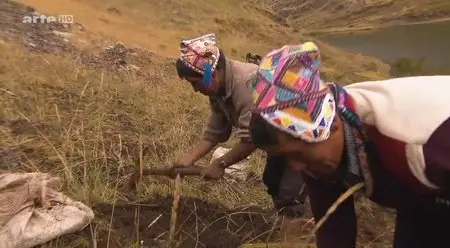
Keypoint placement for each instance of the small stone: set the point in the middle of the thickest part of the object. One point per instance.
(62, 34)
(81, 27)
(113, 10)
(119, 44)
(30, 9)
(133, 68)
(81, 41)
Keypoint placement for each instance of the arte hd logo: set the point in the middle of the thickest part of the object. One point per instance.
(36, 18)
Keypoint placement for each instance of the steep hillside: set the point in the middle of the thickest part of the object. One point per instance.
(241, 27)
(354, 14)
(76, 104)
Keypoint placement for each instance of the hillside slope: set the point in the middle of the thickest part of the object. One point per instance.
(323, 14)
(88, 114)
(241, 27)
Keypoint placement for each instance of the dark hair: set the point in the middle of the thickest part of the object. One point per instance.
(262, 133)
(184, 71)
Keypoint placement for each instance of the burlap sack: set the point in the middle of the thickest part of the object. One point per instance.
(33, 211)
(236, 171)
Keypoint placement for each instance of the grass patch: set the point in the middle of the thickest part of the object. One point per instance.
(85, 125)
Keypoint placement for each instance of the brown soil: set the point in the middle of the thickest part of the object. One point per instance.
(203, 224)
(199, 224)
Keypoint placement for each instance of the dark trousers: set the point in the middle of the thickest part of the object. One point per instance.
(285, 186)
(427, 228)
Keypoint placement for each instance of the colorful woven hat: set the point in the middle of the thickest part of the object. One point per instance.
(289, 94)
(201, 55)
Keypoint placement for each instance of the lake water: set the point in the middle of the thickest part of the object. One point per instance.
(430, 41)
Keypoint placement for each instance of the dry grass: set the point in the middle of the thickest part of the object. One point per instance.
(159, 25)
(86, 125)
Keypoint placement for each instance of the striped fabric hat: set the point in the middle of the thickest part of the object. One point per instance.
(201, 55)
(289, 94)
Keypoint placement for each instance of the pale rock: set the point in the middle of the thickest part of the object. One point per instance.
(62, 34)
(133, 68)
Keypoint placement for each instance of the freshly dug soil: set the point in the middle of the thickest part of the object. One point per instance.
(199, 224)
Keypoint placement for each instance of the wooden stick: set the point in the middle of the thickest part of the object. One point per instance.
(336, 204)
(141, 159)
(173, 217)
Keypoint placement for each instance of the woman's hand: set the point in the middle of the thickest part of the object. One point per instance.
(214, 171)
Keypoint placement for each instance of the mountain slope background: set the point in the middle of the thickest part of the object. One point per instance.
(88, 114)
(333, 15)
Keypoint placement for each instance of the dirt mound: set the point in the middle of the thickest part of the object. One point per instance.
(49, 37)
(56, 38)
(199, 224)
(114, 58)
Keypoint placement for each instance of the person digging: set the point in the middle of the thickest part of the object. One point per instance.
(391, 136)
(224, 81)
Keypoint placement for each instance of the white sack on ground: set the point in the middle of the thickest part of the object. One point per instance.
(33, 211)
(237, 171)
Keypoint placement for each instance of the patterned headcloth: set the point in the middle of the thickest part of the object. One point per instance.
(201, 55)
(289, 94)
